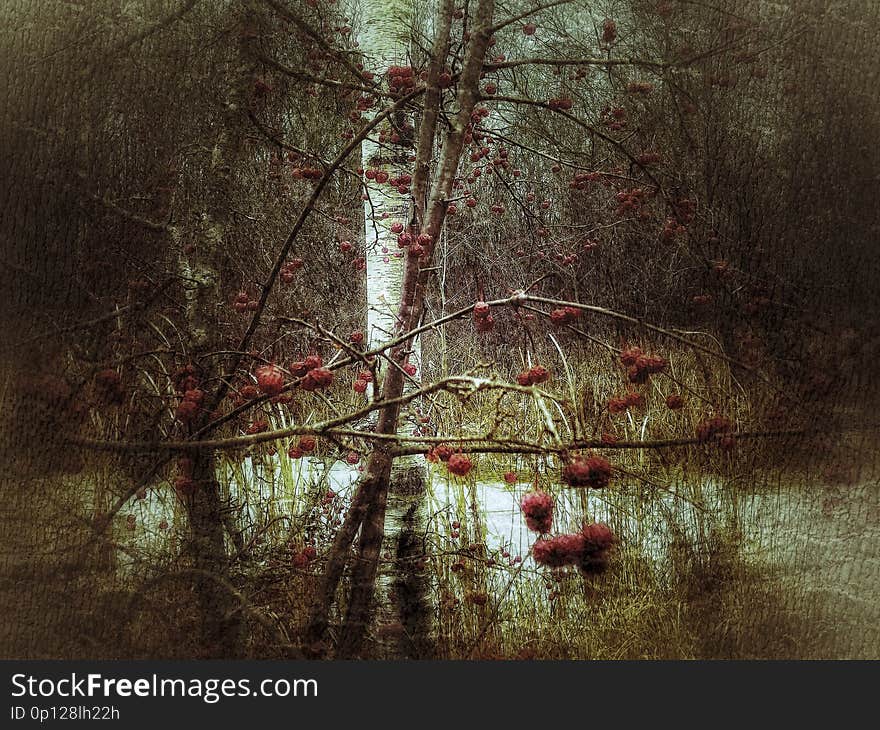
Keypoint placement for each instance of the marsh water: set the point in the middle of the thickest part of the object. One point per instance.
(820, 541)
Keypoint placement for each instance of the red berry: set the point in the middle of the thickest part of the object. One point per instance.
(538, 510)
(312, 362)
(248, 392)
(259, 426)
(317, 379)
(674, 402)
(196, 395)
(186, 411)
(538, 374)
(441, 452)
(562, 103)
(459, 464)
(481, 309)
(609, 31)
(270, 379)
(587, 472)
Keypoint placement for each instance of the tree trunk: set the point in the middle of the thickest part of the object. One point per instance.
(220, 617)
(410, 314)
(200, 269)
(402, 601)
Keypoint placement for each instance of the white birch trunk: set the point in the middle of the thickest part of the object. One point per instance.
(384, 38)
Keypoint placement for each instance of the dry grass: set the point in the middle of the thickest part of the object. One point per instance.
(707, 596)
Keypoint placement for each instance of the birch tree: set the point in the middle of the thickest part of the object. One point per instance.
(386, 28)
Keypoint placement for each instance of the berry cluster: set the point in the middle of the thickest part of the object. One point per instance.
(592, 471)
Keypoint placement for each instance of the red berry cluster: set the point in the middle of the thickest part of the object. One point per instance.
(184, 484)
(261, 88)
(640, 87)
(685, 209)
(565, 315)
(632, 202)
(717, 427)
(302, 367)
(609, 31)
(674, 402)
(624, 403)
(185, 378)
(483, 319)
(308, 173)
(304, 557)
(613, 117)
(314, 377)
(261, 425)
(401, 183)
(563, 103)
(305, 445)
(243, 303)
(288, 271)
(593, 471)
(363, 379)
(317, 379)
(441, 452)
(648, 159)
(270, 379)
(533, 376)
(190, 406)
(672, 229)
(459, 464)
(246, 392)
(537, 507)
(400, 79)
(582, 180)
(588, 549)
(641, 366)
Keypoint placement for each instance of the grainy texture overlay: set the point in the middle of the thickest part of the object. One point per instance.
(454, 330)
